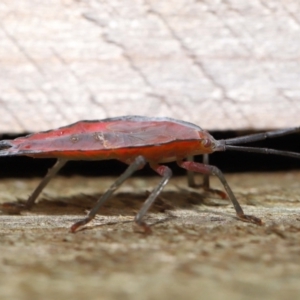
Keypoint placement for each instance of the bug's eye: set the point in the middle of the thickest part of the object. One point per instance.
(206, 143)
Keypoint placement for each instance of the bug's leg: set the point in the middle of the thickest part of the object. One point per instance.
(14, 208)
(50, 174)
(137, 164)
(166, 173)
(205, 184)
(191, 174)
(212, 170)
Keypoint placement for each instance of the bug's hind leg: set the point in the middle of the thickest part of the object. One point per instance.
(212, 170)
(205, 183)
(16, 208)
(166, 174)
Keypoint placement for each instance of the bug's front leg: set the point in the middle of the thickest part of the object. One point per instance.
(191, 175)
(212, 170)
(205, 183)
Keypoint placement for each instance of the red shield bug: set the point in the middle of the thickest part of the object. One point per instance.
(134, 140)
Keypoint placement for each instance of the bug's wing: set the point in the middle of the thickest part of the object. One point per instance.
(83, 137)
(148, 134)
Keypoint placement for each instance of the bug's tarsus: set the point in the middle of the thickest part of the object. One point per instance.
(12, 208)
(137, 164)
(212, 170)
(250, 219)
(80, 223)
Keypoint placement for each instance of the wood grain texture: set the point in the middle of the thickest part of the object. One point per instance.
(220, 64)
(198, 247)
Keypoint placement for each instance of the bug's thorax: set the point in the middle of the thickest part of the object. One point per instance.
(204, 143)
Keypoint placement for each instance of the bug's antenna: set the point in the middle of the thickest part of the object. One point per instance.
(230, 144)
(261, 150)
(261, 136)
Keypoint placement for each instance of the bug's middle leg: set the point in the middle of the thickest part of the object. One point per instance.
(166, 174)
(137, 164)
(212, 170)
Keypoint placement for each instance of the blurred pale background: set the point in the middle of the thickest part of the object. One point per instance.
(220, 64)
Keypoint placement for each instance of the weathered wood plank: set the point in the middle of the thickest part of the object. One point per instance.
(220, 64)
(197, 244)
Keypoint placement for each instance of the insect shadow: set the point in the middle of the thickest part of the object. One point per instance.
(124, 203)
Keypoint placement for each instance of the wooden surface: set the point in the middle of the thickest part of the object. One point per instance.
(220, 64)
(197, 247)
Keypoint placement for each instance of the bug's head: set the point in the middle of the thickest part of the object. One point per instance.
(209, 144)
